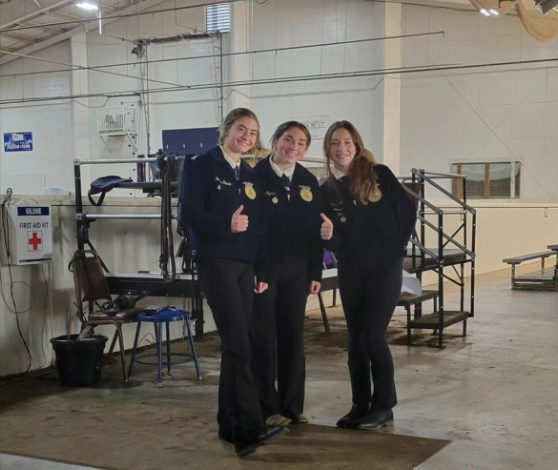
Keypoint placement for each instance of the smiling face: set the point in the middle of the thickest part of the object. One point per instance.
(342, 149)
(241, 136)
(290, 147)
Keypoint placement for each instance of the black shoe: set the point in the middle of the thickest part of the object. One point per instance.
(226, 441)
(263, 439)
(357, 412)
(375, 420)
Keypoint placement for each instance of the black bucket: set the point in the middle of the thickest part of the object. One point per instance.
(79, 362)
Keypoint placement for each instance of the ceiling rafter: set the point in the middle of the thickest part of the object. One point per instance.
(53, 34)
(19, 37)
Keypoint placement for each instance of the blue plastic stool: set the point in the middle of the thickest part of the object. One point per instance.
(166, 316)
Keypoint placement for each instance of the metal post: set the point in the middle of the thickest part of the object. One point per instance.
(473, 263)
(79, 205)
(222, 97)
(418, 307)
(441, 279)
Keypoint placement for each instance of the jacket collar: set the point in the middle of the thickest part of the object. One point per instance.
(217, 154)
(289, 172)
(263, 168)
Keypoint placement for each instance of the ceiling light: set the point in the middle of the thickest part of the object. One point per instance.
(484, 12)
(88, 6)
(493, 12)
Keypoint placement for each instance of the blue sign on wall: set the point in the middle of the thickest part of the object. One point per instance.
(35, 211)
(18, 142)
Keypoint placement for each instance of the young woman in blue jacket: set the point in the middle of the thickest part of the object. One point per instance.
(221, 204)
(373, 220)
(291, 200)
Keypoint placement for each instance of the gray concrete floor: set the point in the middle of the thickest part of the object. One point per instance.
(493, 393)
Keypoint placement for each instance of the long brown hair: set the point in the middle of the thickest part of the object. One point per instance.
(364, 180)
(286, 126)
(232, 117)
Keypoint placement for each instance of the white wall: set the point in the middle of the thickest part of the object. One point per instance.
(291, 23)
(506, 113)
(49, 164)
(175, 110)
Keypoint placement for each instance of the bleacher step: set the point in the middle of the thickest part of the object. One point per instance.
(407, 299)
(431, 321)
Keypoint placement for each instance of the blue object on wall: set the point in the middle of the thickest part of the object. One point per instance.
(18, 142)
(190, 141)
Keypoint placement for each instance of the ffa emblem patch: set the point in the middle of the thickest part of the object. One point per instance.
(275, 200)
(249, 190)
(306, 193)
(376, 196)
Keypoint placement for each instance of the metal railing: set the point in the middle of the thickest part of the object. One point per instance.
(459, 239)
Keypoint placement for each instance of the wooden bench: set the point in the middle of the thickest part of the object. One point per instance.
(541, 281)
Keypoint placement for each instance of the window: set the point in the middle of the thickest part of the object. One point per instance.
(218, 18)
(495, 180)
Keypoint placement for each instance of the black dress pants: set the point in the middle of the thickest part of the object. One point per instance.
(228, 286)
(277, 340)
(369, 297)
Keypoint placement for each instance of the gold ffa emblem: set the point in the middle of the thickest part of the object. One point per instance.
(275, 200)
(376, 196)
(249, 190)
(306, 193)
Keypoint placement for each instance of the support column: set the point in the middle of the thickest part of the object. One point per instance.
(392, 89)
(79, 83)
(387, 93)
(239, 66)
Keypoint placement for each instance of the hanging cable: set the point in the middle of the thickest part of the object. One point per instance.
(6, 235)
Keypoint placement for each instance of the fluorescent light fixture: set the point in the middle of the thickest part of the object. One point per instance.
(494, 12)
(87, 6)
(484, 12)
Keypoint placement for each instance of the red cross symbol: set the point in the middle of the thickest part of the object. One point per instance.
(35, 241)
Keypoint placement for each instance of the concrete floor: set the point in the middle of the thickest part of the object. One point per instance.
(493, 393)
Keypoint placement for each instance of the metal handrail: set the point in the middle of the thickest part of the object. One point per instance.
(444, 191)
(104, 161)
(85, 216)
(424, 249)
(447, 237)
(437, 210)
(444, 175)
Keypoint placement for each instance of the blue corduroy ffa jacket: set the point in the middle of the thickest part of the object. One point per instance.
(209, 197)
(293, 222)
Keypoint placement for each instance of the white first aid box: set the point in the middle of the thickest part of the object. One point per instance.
(29, 234)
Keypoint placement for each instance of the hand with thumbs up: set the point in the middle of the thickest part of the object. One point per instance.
(326, 231)
(239, 222)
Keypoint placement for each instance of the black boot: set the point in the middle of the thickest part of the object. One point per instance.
(264, 438)
(375, 420)
(358, 411)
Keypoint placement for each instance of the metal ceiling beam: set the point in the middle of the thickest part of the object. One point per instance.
(68, 34)
(50, 29)
(17, 37)
(63, 15)
(36, 14)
